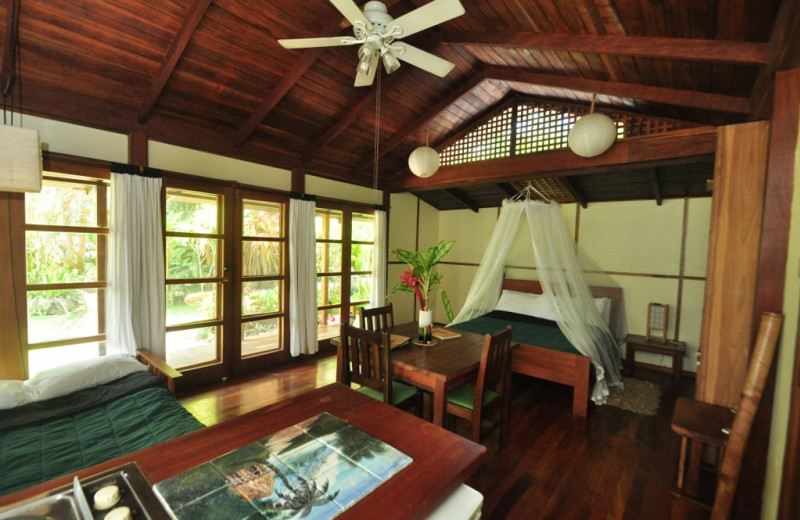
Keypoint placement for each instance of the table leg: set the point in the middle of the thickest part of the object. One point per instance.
(439, 402)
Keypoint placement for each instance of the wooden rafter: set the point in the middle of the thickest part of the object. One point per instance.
(653, 47)
(656, 186)
(195, 13)
(577, 194)
(463, 198)
(668, 96)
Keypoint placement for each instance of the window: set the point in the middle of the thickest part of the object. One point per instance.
(345, 242)
(65, 236)
(263, 276)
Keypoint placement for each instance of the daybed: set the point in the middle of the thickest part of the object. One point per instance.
(87, 412)
(543, 350)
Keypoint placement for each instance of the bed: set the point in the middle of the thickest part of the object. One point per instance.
(543, 350)
(111, 407)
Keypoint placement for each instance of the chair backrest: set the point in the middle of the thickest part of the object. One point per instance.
(366, 358)
(378, 318)
(494, 368)
(757, 372)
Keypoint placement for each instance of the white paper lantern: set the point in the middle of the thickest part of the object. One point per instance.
(20, 159)
(424, 161)
(592, 135)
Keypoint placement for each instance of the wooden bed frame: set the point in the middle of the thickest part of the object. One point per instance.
(560, 367)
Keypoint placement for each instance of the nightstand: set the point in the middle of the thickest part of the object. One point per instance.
(636, 342)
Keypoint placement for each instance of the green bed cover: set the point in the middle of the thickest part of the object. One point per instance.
(527, 330)
(43, 440)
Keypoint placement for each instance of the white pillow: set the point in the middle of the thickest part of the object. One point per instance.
(12, 393)
(518, 302)
(604, 307)
(69, 378)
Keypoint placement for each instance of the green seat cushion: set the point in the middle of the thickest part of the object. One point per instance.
(400, 392)
(464, 396)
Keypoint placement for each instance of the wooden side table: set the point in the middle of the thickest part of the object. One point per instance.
(637, 342)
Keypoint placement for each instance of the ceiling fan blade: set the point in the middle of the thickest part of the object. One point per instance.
(365, 78)
(351, 11)
(422, 59)
(426, 16)
(305, 43)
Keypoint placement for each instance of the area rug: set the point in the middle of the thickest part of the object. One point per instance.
(642, 397)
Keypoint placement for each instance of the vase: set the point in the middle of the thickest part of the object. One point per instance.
(425, 325)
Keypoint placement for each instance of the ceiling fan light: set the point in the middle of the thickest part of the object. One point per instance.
(424, 161)
(592, 134)
(390, 61)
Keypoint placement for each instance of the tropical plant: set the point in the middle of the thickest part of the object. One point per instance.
(422, 277)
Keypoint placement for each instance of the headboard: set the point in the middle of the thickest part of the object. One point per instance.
(614, 294)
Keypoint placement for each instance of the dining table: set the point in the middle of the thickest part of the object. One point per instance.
(435, 368)
(441, 461)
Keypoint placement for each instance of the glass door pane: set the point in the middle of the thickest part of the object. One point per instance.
(195, 255)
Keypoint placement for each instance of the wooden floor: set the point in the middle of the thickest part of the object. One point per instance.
(614, 464)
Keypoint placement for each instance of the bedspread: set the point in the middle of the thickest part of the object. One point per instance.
(43, 440)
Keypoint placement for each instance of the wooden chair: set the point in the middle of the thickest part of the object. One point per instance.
(491, 390)
(367, 360)
(723, 429)
(377, 318)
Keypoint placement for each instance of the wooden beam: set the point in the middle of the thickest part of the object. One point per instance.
(577, 194)
(784, 44)
(656, 187)
(427, 115)
(462, 198)
(508, 188)
(668, 146)
(645, 46)
(667, 96)
(296, 71)
(195, 13)
(138, 149)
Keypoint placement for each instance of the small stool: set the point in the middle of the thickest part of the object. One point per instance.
(637, 342)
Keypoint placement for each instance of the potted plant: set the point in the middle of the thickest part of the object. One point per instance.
(421, 278)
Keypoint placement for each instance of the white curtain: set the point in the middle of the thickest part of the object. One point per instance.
(380, 261)
(562, 280)
(302, 278)
(135, 304)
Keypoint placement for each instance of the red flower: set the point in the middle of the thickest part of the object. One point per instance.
(412, 281)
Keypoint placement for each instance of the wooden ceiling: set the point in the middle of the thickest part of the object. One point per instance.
(210, 75)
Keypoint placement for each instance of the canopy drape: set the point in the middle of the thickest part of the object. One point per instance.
(563, 283)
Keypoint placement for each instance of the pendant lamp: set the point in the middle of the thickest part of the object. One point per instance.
(424, 161)
(592, 134)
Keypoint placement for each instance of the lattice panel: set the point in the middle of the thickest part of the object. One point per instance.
(491, 140)
(539, 128)
(553, 189)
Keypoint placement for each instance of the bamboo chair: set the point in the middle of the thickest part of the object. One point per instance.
(491, 390)
(367, 362)
(726, 430)
(377, 318)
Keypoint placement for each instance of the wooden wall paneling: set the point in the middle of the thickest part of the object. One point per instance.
(734, 244)
(11, 362)
(786, 129)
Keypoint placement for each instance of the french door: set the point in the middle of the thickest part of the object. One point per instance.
(225, 279)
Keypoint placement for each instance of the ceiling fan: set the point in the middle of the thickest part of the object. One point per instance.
(378, 34)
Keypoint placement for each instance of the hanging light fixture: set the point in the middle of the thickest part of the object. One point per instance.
(592, 134)
(424, 161)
